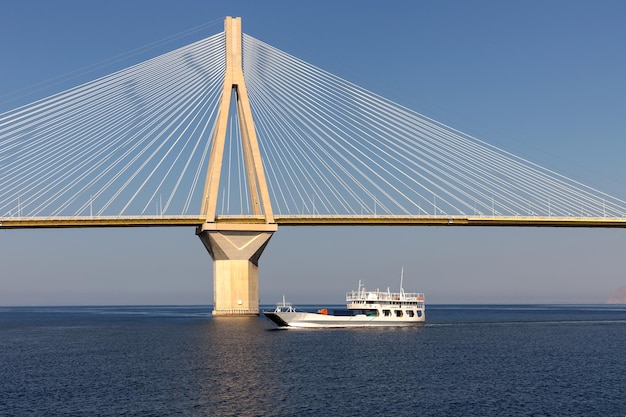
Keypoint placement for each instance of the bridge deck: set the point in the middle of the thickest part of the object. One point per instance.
(311, 220)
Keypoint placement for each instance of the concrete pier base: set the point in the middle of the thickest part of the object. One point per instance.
(235, 249)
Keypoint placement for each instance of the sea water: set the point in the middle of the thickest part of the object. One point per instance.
(467, 360)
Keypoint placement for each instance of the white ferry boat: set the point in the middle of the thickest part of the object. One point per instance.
(364, 309)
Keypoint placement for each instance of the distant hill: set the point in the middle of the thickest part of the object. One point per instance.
(618, 296)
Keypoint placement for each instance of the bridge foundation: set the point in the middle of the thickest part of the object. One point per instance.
(235, 250)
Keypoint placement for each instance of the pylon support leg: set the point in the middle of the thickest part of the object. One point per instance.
(235, 250)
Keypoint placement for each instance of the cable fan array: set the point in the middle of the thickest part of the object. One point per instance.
(137, 142)
(133, 142)
(331, 147)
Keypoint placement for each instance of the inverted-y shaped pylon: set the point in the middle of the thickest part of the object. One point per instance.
(234, 82)
(236, 247)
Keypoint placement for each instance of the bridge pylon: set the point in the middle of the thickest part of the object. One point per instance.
(236, 247)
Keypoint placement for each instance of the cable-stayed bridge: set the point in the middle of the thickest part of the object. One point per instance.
(236, 137)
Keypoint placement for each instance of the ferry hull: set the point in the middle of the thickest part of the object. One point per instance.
(316, 320)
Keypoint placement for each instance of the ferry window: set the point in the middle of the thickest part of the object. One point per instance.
(387, 313)
(398, 313)
(419, 313)
(409, 313)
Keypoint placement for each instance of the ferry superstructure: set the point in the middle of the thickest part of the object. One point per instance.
(365, 308)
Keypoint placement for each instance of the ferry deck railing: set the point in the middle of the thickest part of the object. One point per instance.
(365, 295)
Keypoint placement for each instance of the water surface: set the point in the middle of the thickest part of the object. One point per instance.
(467, 360)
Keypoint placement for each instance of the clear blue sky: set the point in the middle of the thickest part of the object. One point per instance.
(543, 79)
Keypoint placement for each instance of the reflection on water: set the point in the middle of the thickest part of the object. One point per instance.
(236, 366)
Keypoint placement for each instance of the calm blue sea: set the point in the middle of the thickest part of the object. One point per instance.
(467, 360)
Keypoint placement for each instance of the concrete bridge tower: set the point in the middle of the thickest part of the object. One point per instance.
(236, 246)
